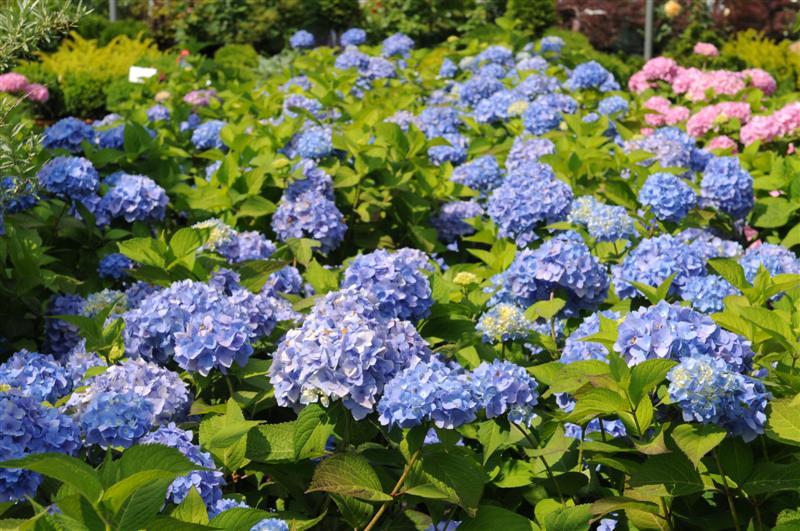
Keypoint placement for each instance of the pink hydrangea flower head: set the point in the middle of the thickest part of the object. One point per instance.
(724, 143)
(647, 131)
(638, 83)
(751, 234)
(200, 98)
(790, 149)
(660, 69)
(719, 82)
(761, 80)
(706, 49)
(657, 103)
(13, 82)
(711, 117)
(676, 114)
(37, 92)
(763, 128)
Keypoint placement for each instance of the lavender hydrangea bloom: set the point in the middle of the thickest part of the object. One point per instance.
(706, 294)
(192, 322)
(482, 174)
(36, 375)
(727, 187)
(668, 196)
(115, 419)
(526, 200)
(575, 349)
(561, 263)
(397, 44)
(310, 215)
(438, 121)
(163, 389)
(653, 261)
(503, 387)
(613, 106)
(504, 322)
(708, 245)
(30, 428)
(708, 391)
(208, 483)
(69, 178)
(591, 75)
(301, 40)
(777, 260)
(353, 37)
(450, 223)
(396, 280)
(250, 245)
(132, 198)
(343, 351)
(115, 266)
(428, 391)
(270, 524)
(314, 142)
(527, 150)
(551, 44)
(604, 222)
(78, 361)
(158, 113)
(67, 133)
(675, 332)
(206, 135)
(61, 336)
(478, 87)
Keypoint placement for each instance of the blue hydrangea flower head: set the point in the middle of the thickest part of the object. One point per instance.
(36, 375)
(527, 150)
(616, 106)
(138, 291)
(675, 332)
(397, 44)
(604, 222)
(436, 121)
(707, 293)
(208, 483)
(353, 37)
(270, 524)
(133, 198)
(206, 135)
(668, 196)
(528, 199)
(158, 113)
(314, 142)
(250, 245)
(455, 153)
(115, 266)
(532, 63)
(709, 392)
(541, 116)
(225, 504)
(709, 245)
(482, 174)
(111, 137)
(448, 70)
(496, 54)
(78, 361)
(345, 351)
(504, 322)
(301, 40)
(302, 101)
(551, 44)
(310, 215)
(591, 75)
(428, 391)
(219, 233)
(536, 85)
(191, 123)
(61, 336)
(575, 349)
(30, 428)
(503, 387)
(498, 107)
(16, 195)
(67, 133)
(653, 261)
(397, 280)
(115, 419)
(477, 88)
(351, 57)
(72, 178)
(776, 259)
(727, 186)
(450, 223)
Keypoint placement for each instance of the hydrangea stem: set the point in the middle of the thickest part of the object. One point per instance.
(395, 490)
(727, 490)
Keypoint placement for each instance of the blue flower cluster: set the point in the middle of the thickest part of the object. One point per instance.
(668, 196)
(77, 362)
(438, 121)
(353, 37)
(115, 266)
(605, 223)
(301, 101)
(30, 428)
(776, 259)
(528, 199)
(72, 178)
(536, 85)
(676, 332)
(301, 40)
(111, 137)
(100, 300)
(502, 387)
(429, 390)
(397, 280)
(16, 195)
(576, 349)
(67, 133)
(707, 293)
(36, 375)
(455, 152)
(132, 198)
(314, 142)
(61, 336)
(482, 174)
(710, 392)
(158, 113)
(653, 261)
(613, 106)
(206, 135)
(310, 215)
(727, 186)
(344, 351)
(116, 420)
(551, 44)
(250, 245)
(477, 88)
(708, 245)
(448, 70)
(562, 263)
(591, 75)
(527, 150)
(206, 482)
(504, 322)
(672, 148)
(450, 223)
(270, 524)
(397, 44)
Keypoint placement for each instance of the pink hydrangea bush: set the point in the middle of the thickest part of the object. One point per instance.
(710, 118)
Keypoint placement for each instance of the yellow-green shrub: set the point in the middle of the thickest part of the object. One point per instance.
(753, 49)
